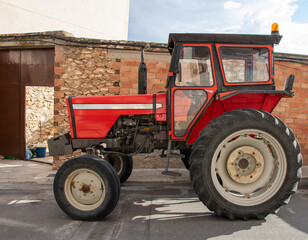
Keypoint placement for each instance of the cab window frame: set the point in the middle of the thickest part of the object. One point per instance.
(269, 48)
(213, 78)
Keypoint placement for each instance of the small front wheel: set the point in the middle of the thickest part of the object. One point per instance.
(86, 188)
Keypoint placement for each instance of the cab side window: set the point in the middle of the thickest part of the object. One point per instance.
(245, 64)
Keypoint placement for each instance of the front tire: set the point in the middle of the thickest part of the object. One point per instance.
(245, 164)
(86, 188)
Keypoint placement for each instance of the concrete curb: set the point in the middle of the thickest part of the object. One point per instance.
(155, 176)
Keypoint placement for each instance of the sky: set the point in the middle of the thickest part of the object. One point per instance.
(153, 20)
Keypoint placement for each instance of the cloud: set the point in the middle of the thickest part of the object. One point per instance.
(153, 20)
(232, 5)
(255, 18)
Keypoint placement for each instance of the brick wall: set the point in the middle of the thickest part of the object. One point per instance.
(119, 75)
(294, 111)
(92, 71)
(156, 76)
(95, 71)
(109, 68)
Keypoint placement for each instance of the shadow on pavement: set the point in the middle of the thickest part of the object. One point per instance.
(145, 211)
(175, 214)
(297, 209)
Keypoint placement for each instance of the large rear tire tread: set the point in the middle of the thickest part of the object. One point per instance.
(211, 136)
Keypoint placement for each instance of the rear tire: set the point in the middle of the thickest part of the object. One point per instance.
(86, 188)
(245, 164)
(186, 158)
(122, 164)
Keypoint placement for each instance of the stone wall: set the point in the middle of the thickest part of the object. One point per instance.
(39, 115)
(85, 67)
(90, 71)
(78, 72)
(126, 68)
(96, 71)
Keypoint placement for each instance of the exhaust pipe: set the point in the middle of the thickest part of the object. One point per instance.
(142, 75)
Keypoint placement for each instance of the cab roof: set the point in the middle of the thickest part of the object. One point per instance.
(222, 38)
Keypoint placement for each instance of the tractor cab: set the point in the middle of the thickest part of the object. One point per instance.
(208, 67)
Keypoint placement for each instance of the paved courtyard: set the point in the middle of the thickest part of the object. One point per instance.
(145, 211)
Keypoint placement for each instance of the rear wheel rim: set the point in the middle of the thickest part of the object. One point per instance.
(84, 189)
(248, 167)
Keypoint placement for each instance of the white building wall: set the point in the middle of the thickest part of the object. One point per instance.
(101, 19)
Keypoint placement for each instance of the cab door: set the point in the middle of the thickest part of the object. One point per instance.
(194, 86)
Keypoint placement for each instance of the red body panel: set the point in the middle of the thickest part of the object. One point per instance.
(259, 101)
(70, 118)
(94, 116)
(94, 123)
(210, 95)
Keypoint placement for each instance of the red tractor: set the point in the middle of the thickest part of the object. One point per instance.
(216, 111)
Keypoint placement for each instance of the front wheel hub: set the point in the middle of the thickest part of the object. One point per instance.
(84, 189)
(245, 164)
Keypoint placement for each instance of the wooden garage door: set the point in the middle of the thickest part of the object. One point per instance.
(18, 69)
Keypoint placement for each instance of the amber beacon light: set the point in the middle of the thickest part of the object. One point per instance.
(275, 29)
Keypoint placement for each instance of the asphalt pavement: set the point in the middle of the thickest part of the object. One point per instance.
(151, 206)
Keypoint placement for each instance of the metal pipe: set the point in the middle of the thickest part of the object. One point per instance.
(142, 75)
